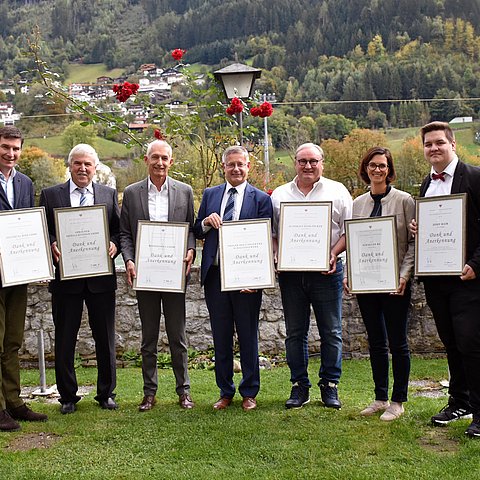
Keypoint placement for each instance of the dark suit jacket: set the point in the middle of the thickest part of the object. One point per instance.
(59, 197)
(256, 204)
(23, 192)
(466, 179)
(135, 208)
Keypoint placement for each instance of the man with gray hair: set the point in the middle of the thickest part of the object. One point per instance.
(97, 292)
(234, 200)
(301, 290)
(162, 199)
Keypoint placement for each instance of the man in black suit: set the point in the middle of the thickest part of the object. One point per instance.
(234, 200)
(455, 301)
(16, 191)
(98, 293)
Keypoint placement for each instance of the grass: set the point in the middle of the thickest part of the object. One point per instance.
(105, 148)
(269, 443)
(88, 73)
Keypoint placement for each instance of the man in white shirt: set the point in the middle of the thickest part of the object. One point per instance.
(159, 198)
(302, 290)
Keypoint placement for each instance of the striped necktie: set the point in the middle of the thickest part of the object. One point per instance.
(83, 197)
(230, 206)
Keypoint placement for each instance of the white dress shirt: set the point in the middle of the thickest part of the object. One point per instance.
(325, 190)
(442, 187)
(7, 185)
(75, 195)
(158, 202)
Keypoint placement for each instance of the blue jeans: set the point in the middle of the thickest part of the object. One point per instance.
(299, 291)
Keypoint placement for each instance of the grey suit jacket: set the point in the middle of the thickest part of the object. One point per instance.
(135, 208)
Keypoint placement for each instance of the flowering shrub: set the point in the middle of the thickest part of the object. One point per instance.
(264, 110)
(236, 106)
(125, 90)
(178, 53)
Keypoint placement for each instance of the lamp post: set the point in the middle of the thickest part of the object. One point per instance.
(237, 81)
(267, 97)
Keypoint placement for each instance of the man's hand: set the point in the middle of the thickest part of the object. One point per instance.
(112, 250)
(55, 252)
(213, 220)
(412, 227)
(130, 271)
(468, 273)
(189, 260)
(346, 289)
(333, 264)
(402, 283)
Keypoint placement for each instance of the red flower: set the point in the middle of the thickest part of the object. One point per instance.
(270, 191)
(178, 53)
(236, 106)
(124, 91)
(264, 110)
(158, 134)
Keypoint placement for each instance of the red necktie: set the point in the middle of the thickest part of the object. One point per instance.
(438, 176)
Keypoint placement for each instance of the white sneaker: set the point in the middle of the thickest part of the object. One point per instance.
(374, 407)
(392, 412)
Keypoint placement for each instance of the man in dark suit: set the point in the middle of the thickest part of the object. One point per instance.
(455, 301)
(98, 293)
(16, 191)
(159, 198)
(234, 200)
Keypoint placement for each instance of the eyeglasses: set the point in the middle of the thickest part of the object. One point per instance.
(313, 162)
(232, 166)
(381, 166)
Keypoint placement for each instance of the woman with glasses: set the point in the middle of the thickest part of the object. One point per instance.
(385, 314)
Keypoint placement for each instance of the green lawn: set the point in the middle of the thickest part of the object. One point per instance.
(269, 443)
(105, 148)
(88, 73)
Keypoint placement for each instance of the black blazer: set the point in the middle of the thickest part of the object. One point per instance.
(466, 179)
(58, 197)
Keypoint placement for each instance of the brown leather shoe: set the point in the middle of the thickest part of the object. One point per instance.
(24, 413)
(7, 423)
(222, 403)
(249, 403)
(185, 401)
(147, 403)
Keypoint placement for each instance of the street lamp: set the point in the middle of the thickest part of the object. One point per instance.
(237, 81)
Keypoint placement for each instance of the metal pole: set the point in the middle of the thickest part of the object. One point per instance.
(240, 121)
(41, 362)
(266, 155)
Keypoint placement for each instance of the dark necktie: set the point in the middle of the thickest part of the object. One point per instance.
(230, 206)
(438, 176)
(83, 198)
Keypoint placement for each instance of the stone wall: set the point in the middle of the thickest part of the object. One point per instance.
(422, 332)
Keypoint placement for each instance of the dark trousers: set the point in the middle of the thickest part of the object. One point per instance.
(455, 306)
(13, 305)
(229, 311)
(67, 315)
(385, 318)
(150, 309)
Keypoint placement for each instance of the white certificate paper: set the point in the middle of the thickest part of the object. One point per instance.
(372, 255)
(83, 240)
(25, 254)
(440, 240)
(159, 258)
(304, 236)
(246, 257)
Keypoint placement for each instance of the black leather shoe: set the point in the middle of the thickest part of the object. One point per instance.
(24, 413)
(67, 407)
(7, 423)
(329, 393)
(108, 404)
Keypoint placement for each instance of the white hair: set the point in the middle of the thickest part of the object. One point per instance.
(309, 145)
(235, 149)
(83, 149)
(161, 142)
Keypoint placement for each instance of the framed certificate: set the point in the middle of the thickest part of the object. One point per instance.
(159, 256)
(83, 240)
(440, 239)
(304, 236)
(372, 255)
(25, 254)
(246, 256)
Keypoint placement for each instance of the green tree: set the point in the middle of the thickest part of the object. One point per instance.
(77, 133)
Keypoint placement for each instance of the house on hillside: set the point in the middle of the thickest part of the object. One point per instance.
(461, 120)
